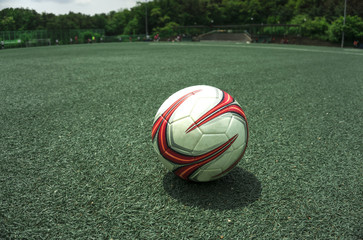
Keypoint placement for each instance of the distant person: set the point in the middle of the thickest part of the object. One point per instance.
(130, 39)
(76, 39)
(93, 39)
(2, 44)
(355, 43)
(71, 40)
(57, 42)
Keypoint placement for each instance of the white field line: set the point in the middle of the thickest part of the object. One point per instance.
(242, 45)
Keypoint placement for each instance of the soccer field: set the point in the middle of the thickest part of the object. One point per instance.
(76, 159)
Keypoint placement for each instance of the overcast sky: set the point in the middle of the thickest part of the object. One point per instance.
(89, 7)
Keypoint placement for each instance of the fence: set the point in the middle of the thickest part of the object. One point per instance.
(12, 39)
(255, 30)
(262, 32)
(16, 39)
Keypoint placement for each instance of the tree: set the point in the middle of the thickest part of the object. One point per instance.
(117, 22)
(353, 29)
(163, 14)
(168, 30)
(132, 26)
(99, 20)
(235, 12)
(7, 24)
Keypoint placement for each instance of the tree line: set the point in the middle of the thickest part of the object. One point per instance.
(318, 19)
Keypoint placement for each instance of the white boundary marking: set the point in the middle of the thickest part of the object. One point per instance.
(242, 45)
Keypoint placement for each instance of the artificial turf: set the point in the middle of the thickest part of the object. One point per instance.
(76, 160)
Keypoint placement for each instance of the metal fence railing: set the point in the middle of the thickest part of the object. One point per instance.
(12, 39)
(18, 39)
(251, 29)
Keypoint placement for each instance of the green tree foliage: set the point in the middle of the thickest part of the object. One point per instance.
(353, 28)
(318, 19)
(315, 28)
(168, 30)
(7, 23)
(132, 26)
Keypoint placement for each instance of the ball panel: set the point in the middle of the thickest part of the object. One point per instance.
(216, 125)
(205, 175)
(236, 154)
(183, 110)
(202, 106)
(208, 91)
(181, 141)
(209, 142)
(169, 165)
(239, 126)
(223, 162)
(155, 145)
(168, 102)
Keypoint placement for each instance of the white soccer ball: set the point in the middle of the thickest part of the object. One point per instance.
(200, 133)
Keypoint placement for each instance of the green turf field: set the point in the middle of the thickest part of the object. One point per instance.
(76, 160)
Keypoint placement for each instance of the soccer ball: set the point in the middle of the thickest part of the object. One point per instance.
(200, 133)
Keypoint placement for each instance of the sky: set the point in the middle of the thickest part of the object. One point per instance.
(89, 7)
